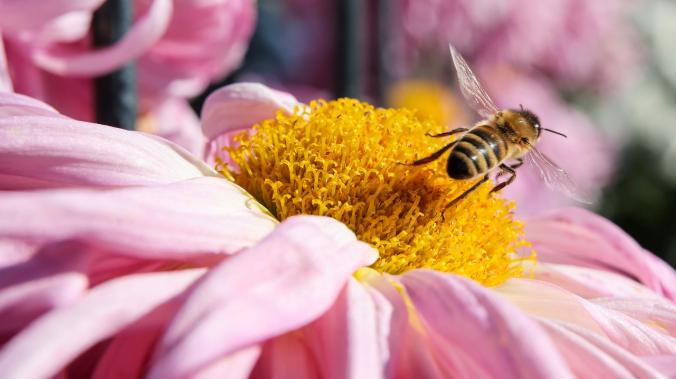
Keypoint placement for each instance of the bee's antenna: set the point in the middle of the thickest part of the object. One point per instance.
(555, 132)
(522, 108)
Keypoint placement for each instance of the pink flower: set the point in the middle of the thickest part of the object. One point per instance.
(181, 46)
(572, 41)
(125, 256)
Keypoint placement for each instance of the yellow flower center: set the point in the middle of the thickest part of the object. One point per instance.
(341, 159)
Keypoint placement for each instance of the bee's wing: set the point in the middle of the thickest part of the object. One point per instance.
(555, 177)
(470, 87)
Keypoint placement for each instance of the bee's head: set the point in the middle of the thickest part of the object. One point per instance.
(532, 120)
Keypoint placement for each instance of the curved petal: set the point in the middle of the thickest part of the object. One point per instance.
(174, 120)
(347, 340)
(126, 356)
(592, 283)
(236, 365)
(39, 150)
(32, 81)
(66, 28)
(46, 346)
(27, 282)
(651, 311)
(5, 80)
(286, 357)
(14, 104)
(665, 364)
(146, 31)
(128, 352)
(184, 221)
(408, 352)
(22, 303)
(33, 14)
(240, 106)
(205, 40)
(579, 237)
(286, 281)
(550, 302)
(476, 333)
(601, 359)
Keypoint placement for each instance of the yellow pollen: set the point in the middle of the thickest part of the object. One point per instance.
(341, 159)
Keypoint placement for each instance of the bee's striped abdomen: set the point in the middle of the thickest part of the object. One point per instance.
(477, 152)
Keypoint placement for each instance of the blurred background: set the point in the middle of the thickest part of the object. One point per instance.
(603, 72)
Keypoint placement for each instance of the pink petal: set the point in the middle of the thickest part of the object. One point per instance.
(174, 120)
(665, 364)
(126, 356)
(476, 333)
(5, 80)
(205, 40)
(286, 281)
(418, 359)
(236, 365)
(32, 81)
(597, 359)
(579, 237)
(128, 353)
(66, 28)
(286, 357)
(22, 303)
(407, 354)
(547, 301)
(387, 318)
(240, 106)
(32, 14)
(651, 311)
(348, 340)
(190, 220)
(31, 287)
(146, 31)
(14, 104)
(47, 345)
(592, 283)
(54, 151)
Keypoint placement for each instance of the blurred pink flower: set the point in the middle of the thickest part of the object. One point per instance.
(204, 40)
(125, 256)
(180, 45)
(572, 41)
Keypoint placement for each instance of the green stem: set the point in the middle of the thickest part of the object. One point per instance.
(349, 54)
(115, 97)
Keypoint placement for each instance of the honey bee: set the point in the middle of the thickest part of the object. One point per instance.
(507, 135)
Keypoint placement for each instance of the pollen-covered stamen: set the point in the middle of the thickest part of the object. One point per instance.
(341, 159)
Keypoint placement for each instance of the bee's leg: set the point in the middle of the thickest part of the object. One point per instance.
(448, 133)
(470, 190)
(432, 157)
(506, 169)
(519, 163)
